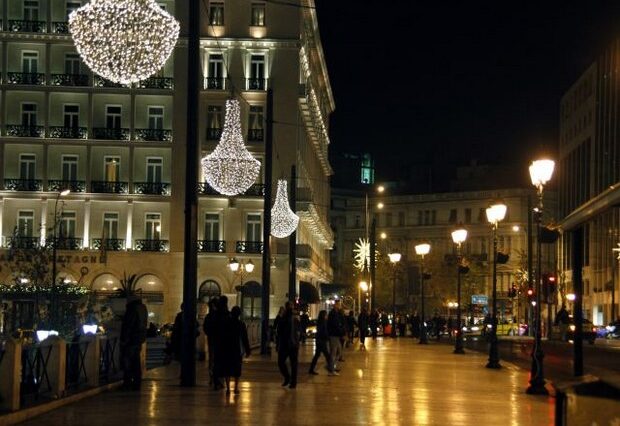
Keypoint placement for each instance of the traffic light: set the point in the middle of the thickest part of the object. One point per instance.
(530, 294)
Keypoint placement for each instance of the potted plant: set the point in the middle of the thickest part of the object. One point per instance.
(118, 302)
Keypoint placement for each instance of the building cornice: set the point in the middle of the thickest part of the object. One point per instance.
(593, 207)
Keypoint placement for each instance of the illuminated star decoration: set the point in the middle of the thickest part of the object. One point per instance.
(617, 250)
(361, 254)
(230, 169)
(124, 41)
(283, 220)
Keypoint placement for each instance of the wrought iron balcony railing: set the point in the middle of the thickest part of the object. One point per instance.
(162, 135)
(212, 246)
(69, 80)
(27, 26)
(68, 132)
(205, 189)
(249, 247)
(23, 184)
(104, 187)
(255, 135)
(214, 134)
(119, 134)
(111, 244)
(151, 245)
(152, 188)
(157, 83)
(60, 27)
(65, 243)
(256, 190)
(215, 83)
(31, 78)
(99, 81)
(25, 131)
(254, 83)
(20, 242)
(61, 185)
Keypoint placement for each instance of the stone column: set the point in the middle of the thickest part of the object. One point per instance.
(57, 365)
(10, 369)
(91, 359)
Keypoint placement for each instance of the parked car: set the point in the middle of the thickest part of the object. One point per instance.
(589, 330)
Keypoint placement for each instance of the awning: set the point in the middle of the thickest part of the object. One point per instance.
(308, 293)
(328, 290)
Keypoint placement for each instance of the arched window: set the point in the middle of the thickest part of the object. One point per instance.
(106, 282)
(251, 300)
(208, 290)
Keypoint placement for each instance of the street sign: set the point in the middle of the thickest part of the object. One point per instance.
(479, 299)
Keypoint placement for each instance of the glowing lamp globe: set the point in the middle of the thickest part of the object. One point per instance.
(541, 172)
(233, 264)
(394, 257)
(364, 286)
(459, 236)
(249, 267)
(422, 249)
(496, 212)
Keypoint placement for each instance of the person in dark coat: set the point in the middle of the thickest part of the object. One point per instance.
(362, 324)
(415, 325)
(133, 335)
(236, 346)
(288, 340)
(350, 323)
(374, 323)
(176, 338)
(322, 340)
(208, 327)
(304, 320)
(220, 326)
(276, 322)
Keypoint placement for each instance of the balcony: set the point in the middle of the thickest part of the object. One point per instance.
(214, 134)
(256, 190)
(61, 132)
(212, 246)
(249, 247)
(99, 81)
(152, 188)
(104, 187)
(31, 78)
(205, 189)
(157, 83)
(60, 27)
(17, 130)
(109, 244)
(215, 83)
(65, 243)
(151, 245)
(120, 134)
(23, 184)
(255, 135)
(69, 80)
(61, 185)
(27, 26)
(23, 243)
(254, 83)
(158, 135)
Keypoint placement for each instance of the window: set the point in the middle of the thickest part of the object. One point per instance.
(482, 215)
(433, 217)
(212, 227)
(257, 73)
(467, 215)
(111, 168)
(27, 164)
(110, 225)
(216, 14)
(67, 225)
(69, 168)
(401, 218)
(253, 227)
(29, 114)
(30, 62)
(71, 6)
(25, 223)
(72, 64)
(427, 217)
(72, 116)
(31, 10)
(420, 217)
(216, 66)
(453, 216)
(154, 169)
(256, 118)
(214, 117)
(367, 168)
(113, 116)
(357, 222)
(258, 15)
(388, 219)
(156, 117)
(153, 226)
(251, 300)
(208, 290)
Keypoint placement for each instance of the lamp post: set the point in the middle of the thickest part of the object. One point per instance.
(361, 288)
(458, 237)
(241, 268)
(371, 237)
(495, 214)
(422, 250)
(540, 173)
(394, 258)
(54, 242)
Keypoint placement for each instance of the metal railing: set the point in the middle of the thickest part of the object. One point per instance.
(205, 189)
(31, 78)
(254, 83)
(61, 185)
(212, 246)
(23, 184)
(15, 25)
(69, 80)
(60, 27)
(114, 134)
(65, 243)
(163, 135)
(151, 245)
(22, 131)
(111, 244)
(108, 368)
(34, 375)
(99, 81)
(152, 188)
(215, 83)
(256, 190)
(61, 132)
(157, 83)
(109, 187)
(214, 134)
(249, 247)
(255, 135)
(24, 243)
(75, 368)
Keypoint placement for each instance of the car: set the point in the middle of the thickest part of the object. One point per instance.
(589, 331)
(311, 329)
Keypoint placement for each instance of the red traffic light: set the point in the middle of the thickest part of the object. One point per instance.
(552, 278)
(530, 292)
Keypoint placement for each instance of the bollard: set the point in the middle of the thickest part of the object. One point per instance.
(10, 370)
(92, 358)
(57, 365)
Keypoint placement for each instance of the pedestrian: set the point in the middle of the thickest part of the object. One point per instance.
(304, 320)
(133, 335)
(402, 324)
(562, 320)
(288, 340)
(208, 327)
(415, 325)
(374, 323)
(220, 327)
(321, 342)
(176, 337)
(350, 323)
(276, 322)
(362, 325)
(335, 329)
(236, 347)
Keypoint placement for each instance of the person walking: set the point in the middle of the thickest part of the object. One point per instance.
(208, 327)
(350, 322)
(236, 347)
(415, 325)
(335, 329)
(562, 320)
(288, 340)
(274, 328)
(133, 335)
(322, 340)
(304, 320)
(374, 323)
(220, 327)
(362, 325)
(402, 324)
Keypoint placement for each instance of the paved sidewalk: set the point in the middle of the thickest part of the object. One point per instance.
(393, 382)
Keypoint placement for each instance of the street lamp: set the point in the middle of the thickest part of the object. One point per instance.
(362, 288)
(458, 237)
(62, 193)
(394, 258)
(495, 214)
(422, 250)
(241, 268)
(540, 173)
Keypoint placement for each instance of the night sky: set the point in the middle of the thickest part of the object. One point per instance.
(438, 82)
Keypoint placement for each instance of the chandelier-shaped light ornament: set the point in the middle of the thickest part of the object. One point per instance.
(361, 254)
(124, 41)
(230, 169)
(283, 220)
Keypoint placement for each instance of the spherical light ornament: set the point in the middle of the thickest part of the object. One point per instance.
(230, 169)
(283, 220)
(124, 41)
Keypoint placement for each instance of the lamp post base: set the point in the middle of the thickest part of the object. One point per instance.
(493, 354)
(458, 345)
(537, 381)
(493, 364)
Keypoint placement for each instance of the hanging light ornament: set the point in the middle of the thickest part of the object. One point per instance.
(230, 169)
(124, 41)
(283, 220)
